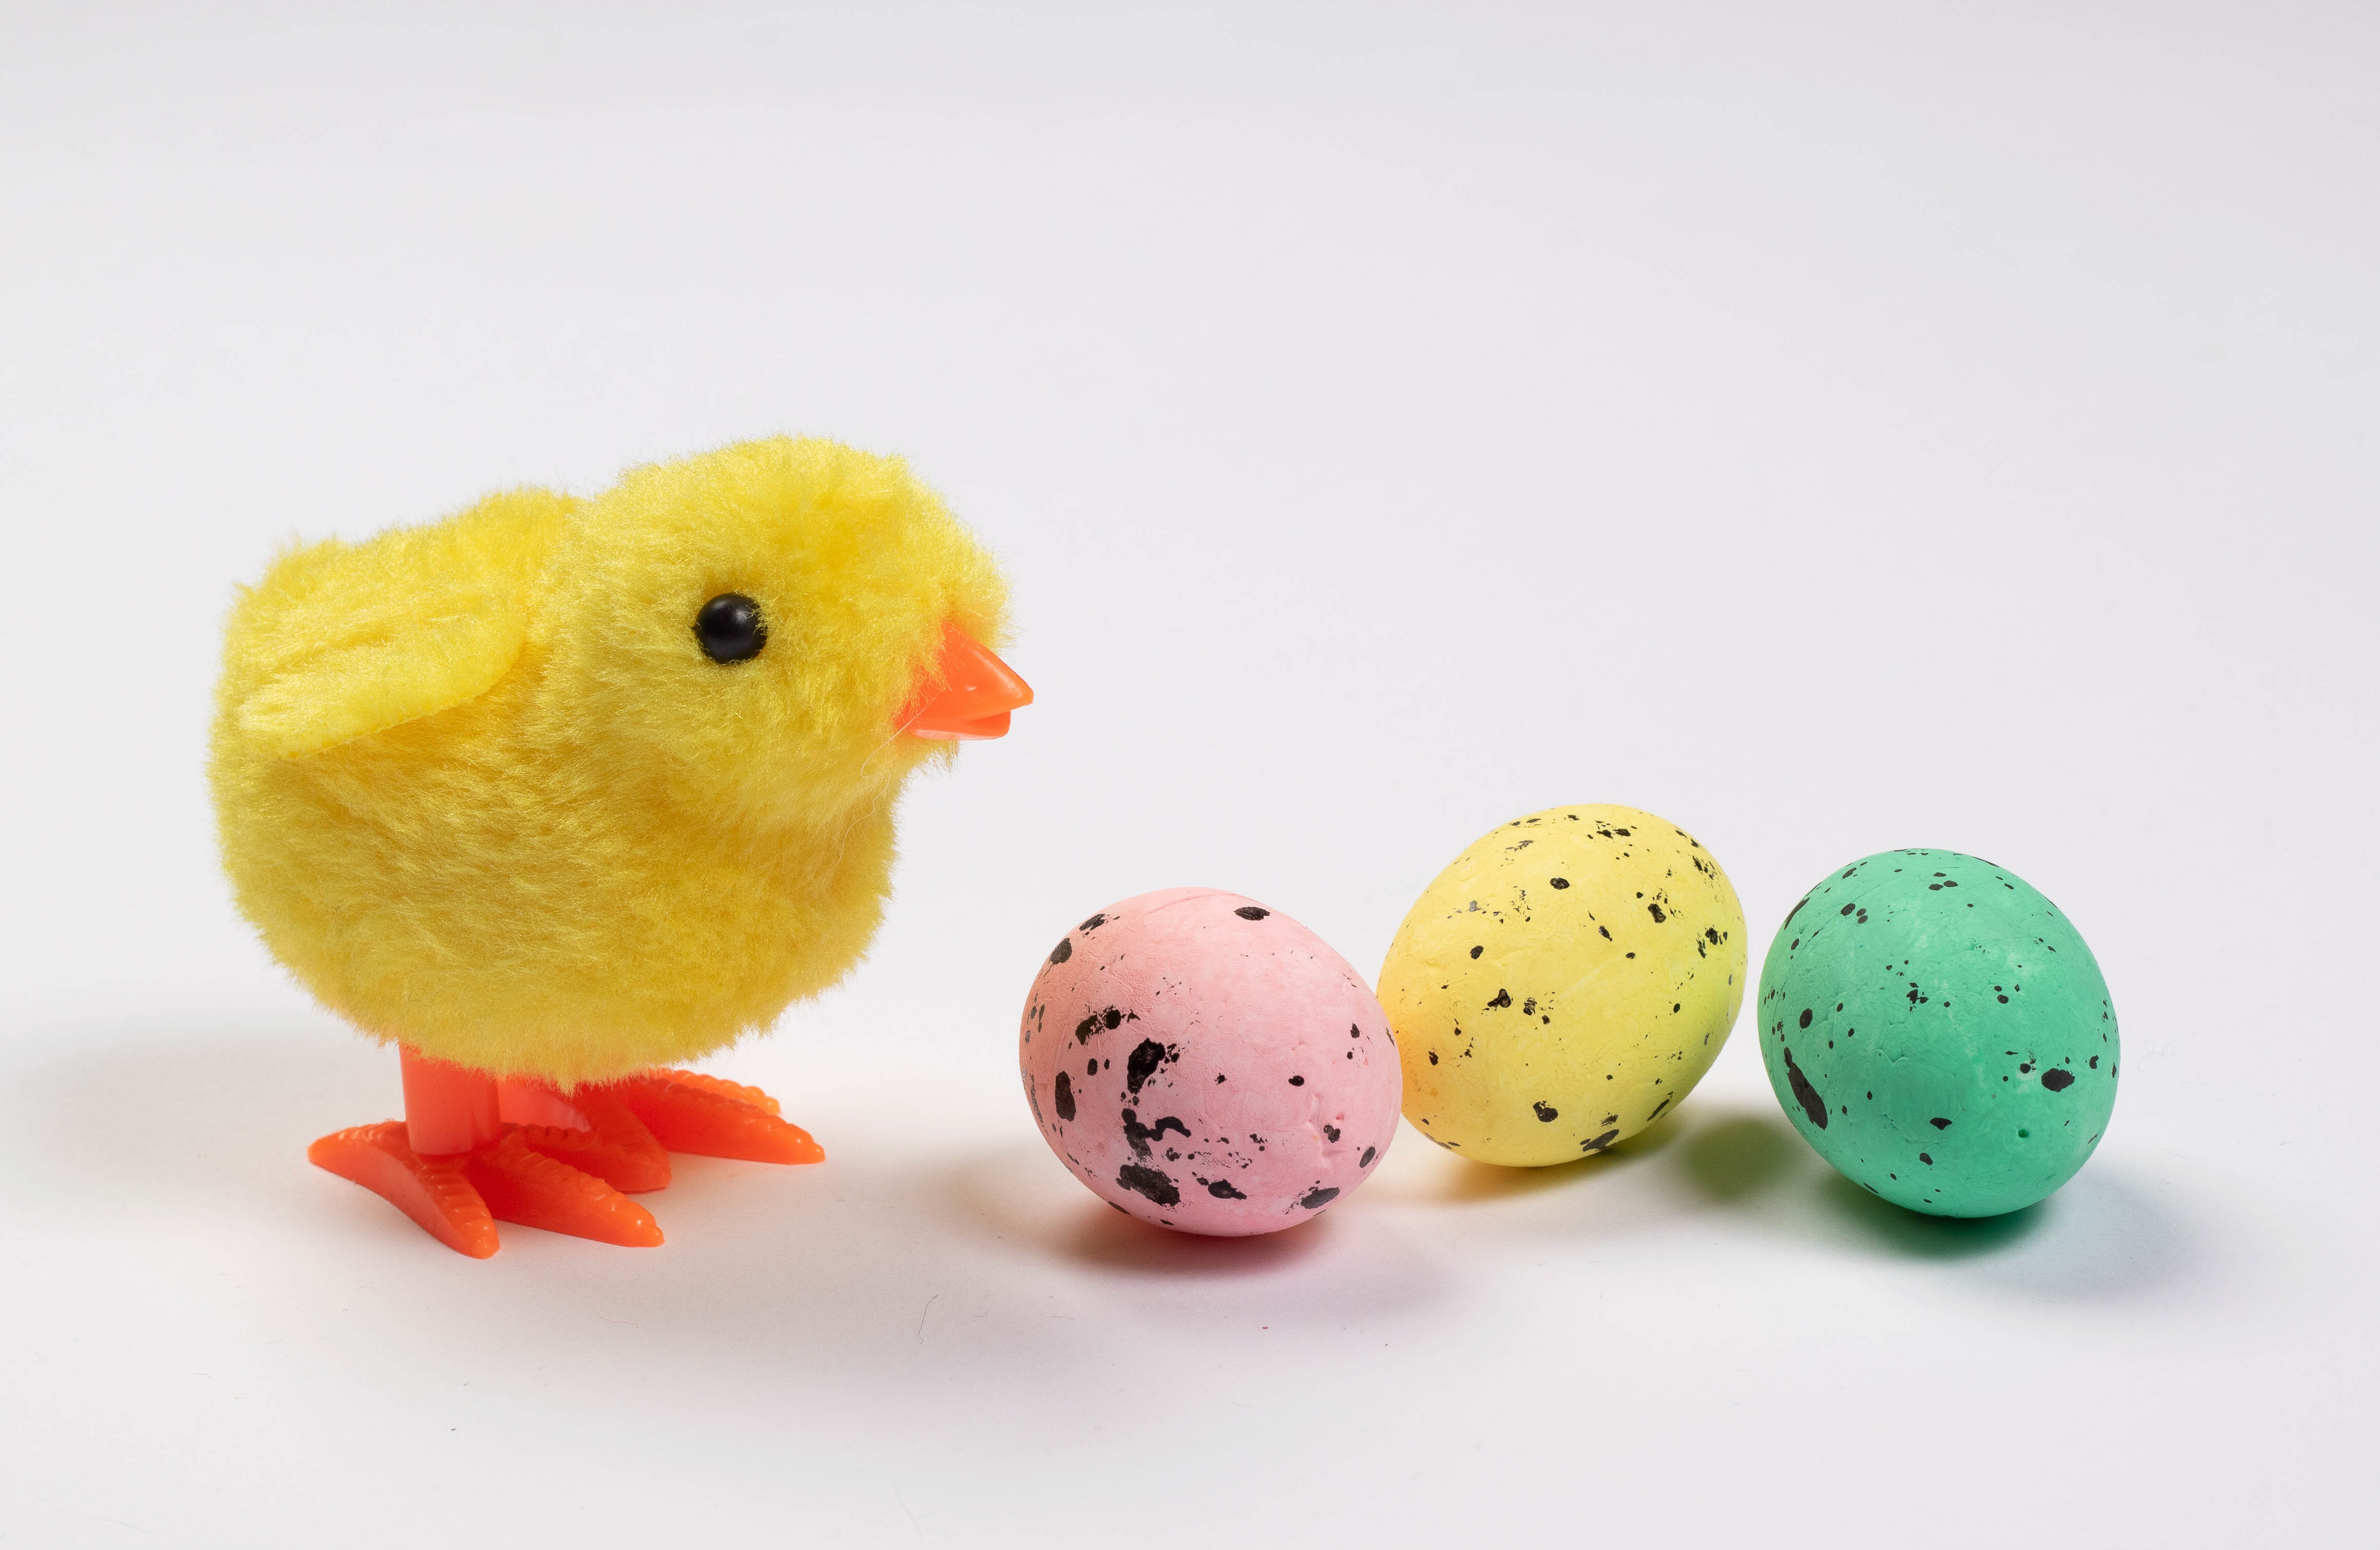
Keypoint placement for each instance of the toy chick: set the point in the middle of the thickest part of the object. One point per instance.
(557, 794)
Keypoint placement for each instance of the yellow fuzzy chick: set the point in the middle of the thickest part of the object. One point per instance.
(555, 794)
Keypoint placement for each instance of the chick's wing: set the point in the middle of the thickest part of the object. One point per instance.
(340, 640)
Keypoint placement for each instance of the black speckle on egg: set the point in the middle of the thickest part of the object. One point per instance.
(1147, 1057)
(1149, 1182)
(1804, 1093)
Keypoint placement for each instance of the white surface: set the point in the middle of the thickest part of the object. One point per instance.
(1865, 427)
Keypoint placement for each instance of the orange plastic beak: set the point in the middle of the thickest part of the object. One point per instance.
(968, 694)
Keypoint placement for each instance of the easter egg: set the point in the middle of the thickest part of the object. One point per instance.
(1563, 984)
(1939, 1033)
(1208, 1063)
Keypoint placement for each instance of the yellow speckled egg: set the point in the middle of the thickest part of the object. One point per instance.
(1563, 984)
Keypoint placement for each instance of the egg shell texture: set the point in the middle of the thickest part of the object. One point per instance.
(1939, 1033)
(1208, 1063)
(1563, 983)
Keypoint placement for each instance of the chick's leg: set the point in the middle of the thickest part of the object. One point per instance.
(456, 1169)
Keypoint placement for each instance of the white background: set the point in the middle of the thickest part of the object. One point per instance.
(1829, 427)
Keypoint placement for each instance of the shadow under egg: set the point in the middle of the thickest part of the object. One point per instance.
(1465, 1180)
(1736, 1157)
(1021, 1194)
(1113, 1238)
(1916, 1234)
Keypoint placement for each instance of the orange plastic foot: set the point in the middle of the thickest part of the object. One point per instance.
(519, 1185)
(616, 1148)
(459, 1200)
(706, 1116)
(571, 1176)
(432, 1190)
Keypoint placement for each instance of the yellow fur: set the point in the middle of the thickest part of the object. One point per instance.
(479, 788)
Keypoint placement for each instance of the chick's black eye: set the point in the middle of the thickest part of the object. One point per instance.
(729, 628)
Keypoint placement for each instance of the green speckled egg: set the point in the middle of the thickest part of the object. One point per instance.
(1939, 1033)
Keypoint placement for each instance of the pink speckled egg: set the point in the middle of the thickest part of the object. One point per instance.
(1208, 1063)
